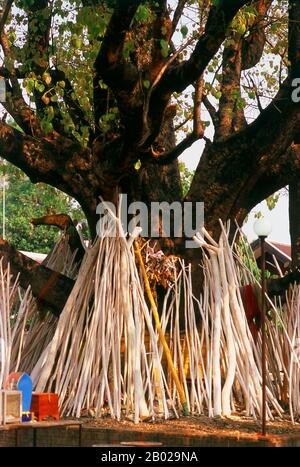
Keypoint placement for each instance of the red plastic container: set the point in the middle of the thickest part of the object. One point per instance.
(44, 405)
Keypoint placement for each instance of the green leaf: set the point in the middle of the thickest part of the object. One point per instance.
(46, 126)
(39, 86)
(272, 201)
(143, 13)
(76, 42)
(47, 78)
(102, 26)
(164, 48)
(184, 30)
(138, 165)
(251, 95)
(146, 84)
(29, 86)
(129, 47)
(49, 113)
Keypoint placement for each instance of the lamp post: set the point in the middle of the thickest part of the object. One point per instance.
(262, 228)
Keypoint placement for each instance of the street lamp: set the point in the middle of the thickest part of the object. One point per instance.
(262, 228)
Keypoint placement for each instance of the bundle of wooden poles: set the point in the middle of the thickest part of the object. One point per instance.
(22, 332)
(98, 359)
(111, 353)
(62, 259)
(25, 330)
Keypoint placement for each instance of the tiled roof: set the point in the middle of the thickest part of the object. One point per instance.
(284, 248)
(39, 257)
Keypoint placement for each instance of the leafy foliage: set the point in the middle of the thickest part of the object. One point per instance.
(23, 201)
(246, 254)
(186, 177)
(76, 34)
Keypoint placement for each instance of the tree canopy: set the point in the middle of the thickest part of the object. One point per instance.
(108, 94)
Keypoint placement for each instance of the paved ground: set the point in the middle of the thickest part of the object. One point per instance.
(186, 431)
(201, 424)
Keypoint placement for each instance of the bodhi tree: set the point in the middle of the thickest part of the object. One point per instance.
(108, 94)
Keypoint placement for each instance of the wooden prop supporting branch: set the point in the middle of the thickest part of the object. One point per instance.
(160, 332)
(49, 287)
(66, 224)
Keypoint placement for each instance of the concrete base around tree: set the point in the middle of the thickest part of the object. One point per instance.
(73, 433)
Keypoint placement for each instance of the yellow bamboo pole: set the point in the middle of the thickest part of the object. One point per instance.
(160, 332)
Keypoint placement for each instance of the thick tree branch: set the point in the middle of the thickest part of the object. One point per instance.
(211, 110)
(278, 173)
(153, 109)
(239, 53)
(5, 14)
(294, 218)
(66, 165)
(198, 129)
(197, 133)
(62, 221)
(15, 103)
(66, 224)
(110, 64)
(253, 44)
(178, 77)
(230, 87)
(229, 170)
(120, 75)
(49, 287)
(276, 287)
(55, 160)
(161, 30)
(294, 38)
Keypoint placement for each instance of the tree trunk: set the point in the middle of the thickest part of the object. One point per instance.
(294, 214)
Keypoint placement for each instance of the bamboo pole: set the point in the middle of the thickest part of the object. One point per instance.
(160, 333)
(229, 338)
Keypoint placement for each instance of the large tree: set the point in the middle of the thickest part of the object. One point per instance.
(95, 87)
